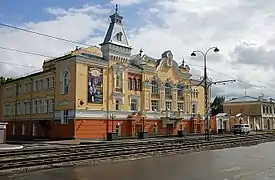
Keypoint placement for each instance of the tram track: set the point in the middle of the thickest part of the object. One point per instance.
(29, 161)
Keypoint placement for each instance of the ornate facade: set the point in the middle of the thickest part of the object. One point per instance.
(92, 91)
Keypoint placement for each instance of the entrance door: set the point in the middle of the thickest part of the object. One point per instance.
(138, 129)
(225, 126)
(170, 129)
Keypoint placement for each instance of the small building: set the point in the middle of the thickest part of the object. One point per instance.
(222, 123)
(255, 111)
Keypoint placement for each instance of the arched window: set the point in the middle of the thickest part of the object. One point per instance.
(130, 84)
(119, 36)
(65, 82)
(168, 90)
(180, 92)
(134, 105)
(138, 85)
(134, 84)
(155, 87)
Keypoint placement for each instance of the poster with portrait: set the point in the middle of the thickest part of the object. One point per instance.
(95, 85)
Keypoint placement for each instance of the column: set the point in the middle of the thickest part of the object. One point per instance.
(254, 123)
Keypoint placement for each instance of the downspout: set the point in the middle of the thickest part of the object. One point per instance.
(108, 100)
(31, 106)
(76, 75)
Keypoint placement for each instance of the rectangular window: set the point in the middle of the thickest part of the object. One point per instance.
(138, 85)
(17, 108)
(64, 116)
(48, 83)
(39, 106)
(155, 105)
(51, 105)
(35, 107)
(168, 105)
(134, 105)
(118, 104)
(180, 106)
(45, 107)
(35, 87)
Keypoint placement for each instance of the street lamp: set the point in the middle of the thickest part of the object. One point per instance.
(204, 54)
(112, 116)
(143, 134)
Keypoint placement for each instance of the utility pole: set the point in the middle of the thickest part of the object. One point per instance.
(206, 88)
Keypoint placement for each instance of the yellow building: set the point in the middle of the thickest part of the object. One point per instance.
(94, 91)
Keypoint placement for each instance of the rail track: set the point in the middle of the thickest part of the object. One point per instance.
(73, 148)
(22, 160)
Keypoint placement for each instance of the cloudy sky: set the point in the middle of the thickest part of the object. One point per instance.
(243, 30)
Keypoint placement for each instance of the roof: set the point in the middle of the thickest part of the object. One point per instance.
(244, 99)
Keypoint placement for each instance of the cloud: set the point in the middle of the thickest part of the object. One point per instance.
(243, 30)
(126, 2)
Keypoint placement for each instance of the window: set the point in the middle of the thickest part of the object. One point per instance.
(118, 82)
(64, 116)
(17, 108)
(138, 85)
(168, 91)
(35, 106)
(119, 36)
(40, 83)
(180, 106)
(180, 92)
(7, 109)
(263, 109)
(194, 109)
(39, 106)
(33, 130)
(155, 105)
(48, 83)
(130, 84)
(45, 107)
(25, 88)
(23, 129)
(168, 105)
(35, 87)
(197, 94)
(51, 105)
(270, 110)
(155, 87)
(134, 105)
(118, 104)
(134, 84)
(65, 82)
(13, 129)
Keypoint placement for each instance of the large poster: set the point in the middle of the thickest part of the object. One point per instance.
(95, 85)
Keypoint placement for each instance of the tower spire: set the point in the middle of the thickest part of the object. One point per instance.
(116, 8)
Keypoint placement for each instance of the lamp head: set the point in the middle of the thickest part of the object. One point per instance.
(216, 49)
(193, 54)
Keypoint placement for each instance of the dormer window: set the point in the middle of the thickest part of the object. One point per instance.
(119, 36)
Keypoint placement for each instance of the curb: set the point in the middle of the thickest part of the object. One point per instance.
(11, 148)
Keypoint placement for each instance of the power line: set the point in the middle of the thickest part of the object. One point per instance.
(43, 34)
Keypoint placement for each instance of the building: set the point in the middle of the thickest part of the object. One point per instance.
(257, 112)
(94, 91)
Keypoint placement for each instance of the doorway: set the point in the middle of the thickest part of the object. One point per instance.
(138, 129)
(170, 129)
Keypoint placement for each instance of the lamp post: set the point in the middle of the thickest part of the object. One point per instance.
(143, 134)
(112, 116)
(204, 54)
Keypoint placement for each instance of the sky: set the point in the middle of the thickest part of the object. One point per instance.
(243, 30)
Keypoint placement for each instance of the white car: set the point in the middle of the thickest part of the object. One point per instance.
(241, 129)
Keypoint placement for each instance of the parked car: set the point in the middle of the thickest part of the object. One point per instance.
(241, 129)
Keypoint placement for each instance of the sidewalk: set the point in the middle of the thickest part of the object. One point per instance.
(4, 147)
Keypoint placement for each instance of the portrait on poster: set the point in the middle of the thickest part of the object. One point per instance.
(95, 85)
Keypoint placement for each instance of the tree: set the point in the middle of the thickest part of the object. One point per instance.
(217, 105)
(4, 80)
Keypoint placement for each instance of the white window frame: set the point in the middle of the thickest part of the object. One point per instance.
(50, 105)
(133, 104)
(45, 105)
(18, 108)
(180, 106)
(155, 87)
(168, 105)
(64, 116)
(155, 105)
(118, 104)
